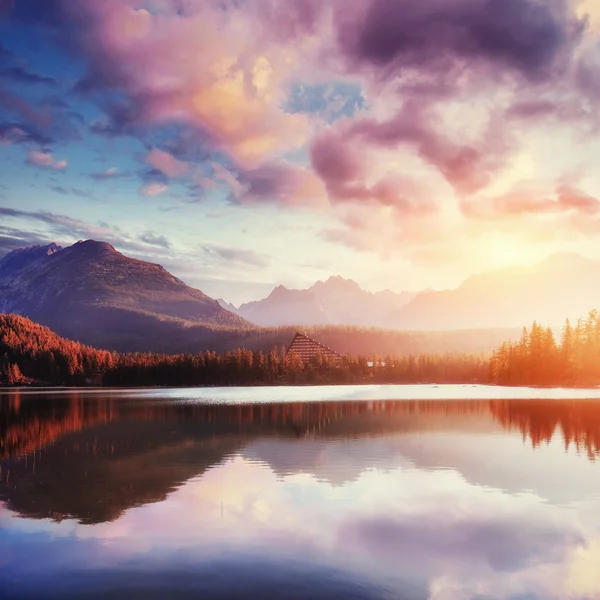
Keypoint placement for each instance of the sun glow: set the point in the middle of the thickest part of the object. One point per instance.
(502, 251)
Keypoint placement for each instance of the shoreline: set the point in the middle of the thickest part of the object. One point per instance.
(43, 386)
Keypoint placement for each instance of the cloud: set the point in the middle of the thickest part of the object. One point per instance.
(166, 163)
(499, 544)
(338, 158)
(153, 189)
(38, 158)
(110, 173)
(84, 194)
(528, 200)
(22, 75)
(68, 229)
(388, 114)
(213, 73)
(387, 231)
(524, 38)
(60, 190)
(583, 580)
(337, 154)
(12, 238)
(278, 182)
(15, 104)
(155, 240)
(39, 119)
(12, 132)
(61, 224)
(12, 70)
(235, 255)
(282, 183)
(105, 127)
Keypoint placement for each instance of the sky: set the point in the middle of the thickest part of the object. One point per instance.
(244, 144)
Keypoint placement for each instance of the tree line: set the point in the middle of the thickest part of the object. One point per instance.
(538, 359)
(30, 353)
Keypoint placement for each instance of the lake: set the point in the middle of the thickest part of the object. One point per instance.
(357, 492)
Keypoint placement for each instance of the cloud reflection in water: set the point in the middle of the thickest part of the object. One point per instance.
(429, 503)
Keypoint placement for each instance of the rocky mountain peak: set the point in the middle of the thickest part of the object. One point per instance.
(279, 291)
(336, 284)
(52, 248)
(93, 247)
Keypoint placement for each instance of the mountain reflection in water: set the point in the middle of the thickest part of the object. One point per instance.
(104, 495)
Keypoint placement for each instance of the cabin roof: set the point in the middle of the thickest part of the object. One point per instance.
(306, 347)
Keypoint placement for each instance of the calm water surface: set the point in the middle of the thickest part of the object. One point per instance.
(441, 493)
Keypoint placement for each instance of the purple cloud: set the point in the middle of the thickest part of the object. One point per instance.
(411, 59)
(280, 182)
(19, 133)
(525, 37)
(22, 75)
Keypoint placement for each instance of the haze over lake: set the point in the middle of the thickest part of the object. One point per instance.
(410, 492)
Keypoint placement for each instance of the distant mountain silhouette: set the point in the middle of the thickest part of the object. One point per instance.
(93, 293)
(228, 306)
(337, 301)
(564, 285)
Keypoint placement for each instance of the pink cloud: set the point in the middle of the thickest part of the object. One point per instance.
(204, 66)
(339, 159)
(532, 200)
(224, 175)
(468, 166)
(166, 163)
(449, 85)
(283, 183)
(336, 162)
(153, 189)
(37, 158)
(274, 182)
(389, 235)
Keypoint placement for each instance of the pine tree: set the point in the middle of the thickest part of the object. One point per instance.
(14, 375)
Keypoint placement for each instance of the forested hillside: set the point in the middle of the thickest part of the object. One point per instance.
(30, 353)
(358, 340)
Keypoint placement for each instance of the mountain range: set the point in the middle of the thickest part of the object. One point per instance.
(337, 301)
(564, 285)
(91, 292)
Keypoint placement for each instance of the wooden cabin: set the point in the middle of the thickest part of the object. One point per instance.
(307, 349)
